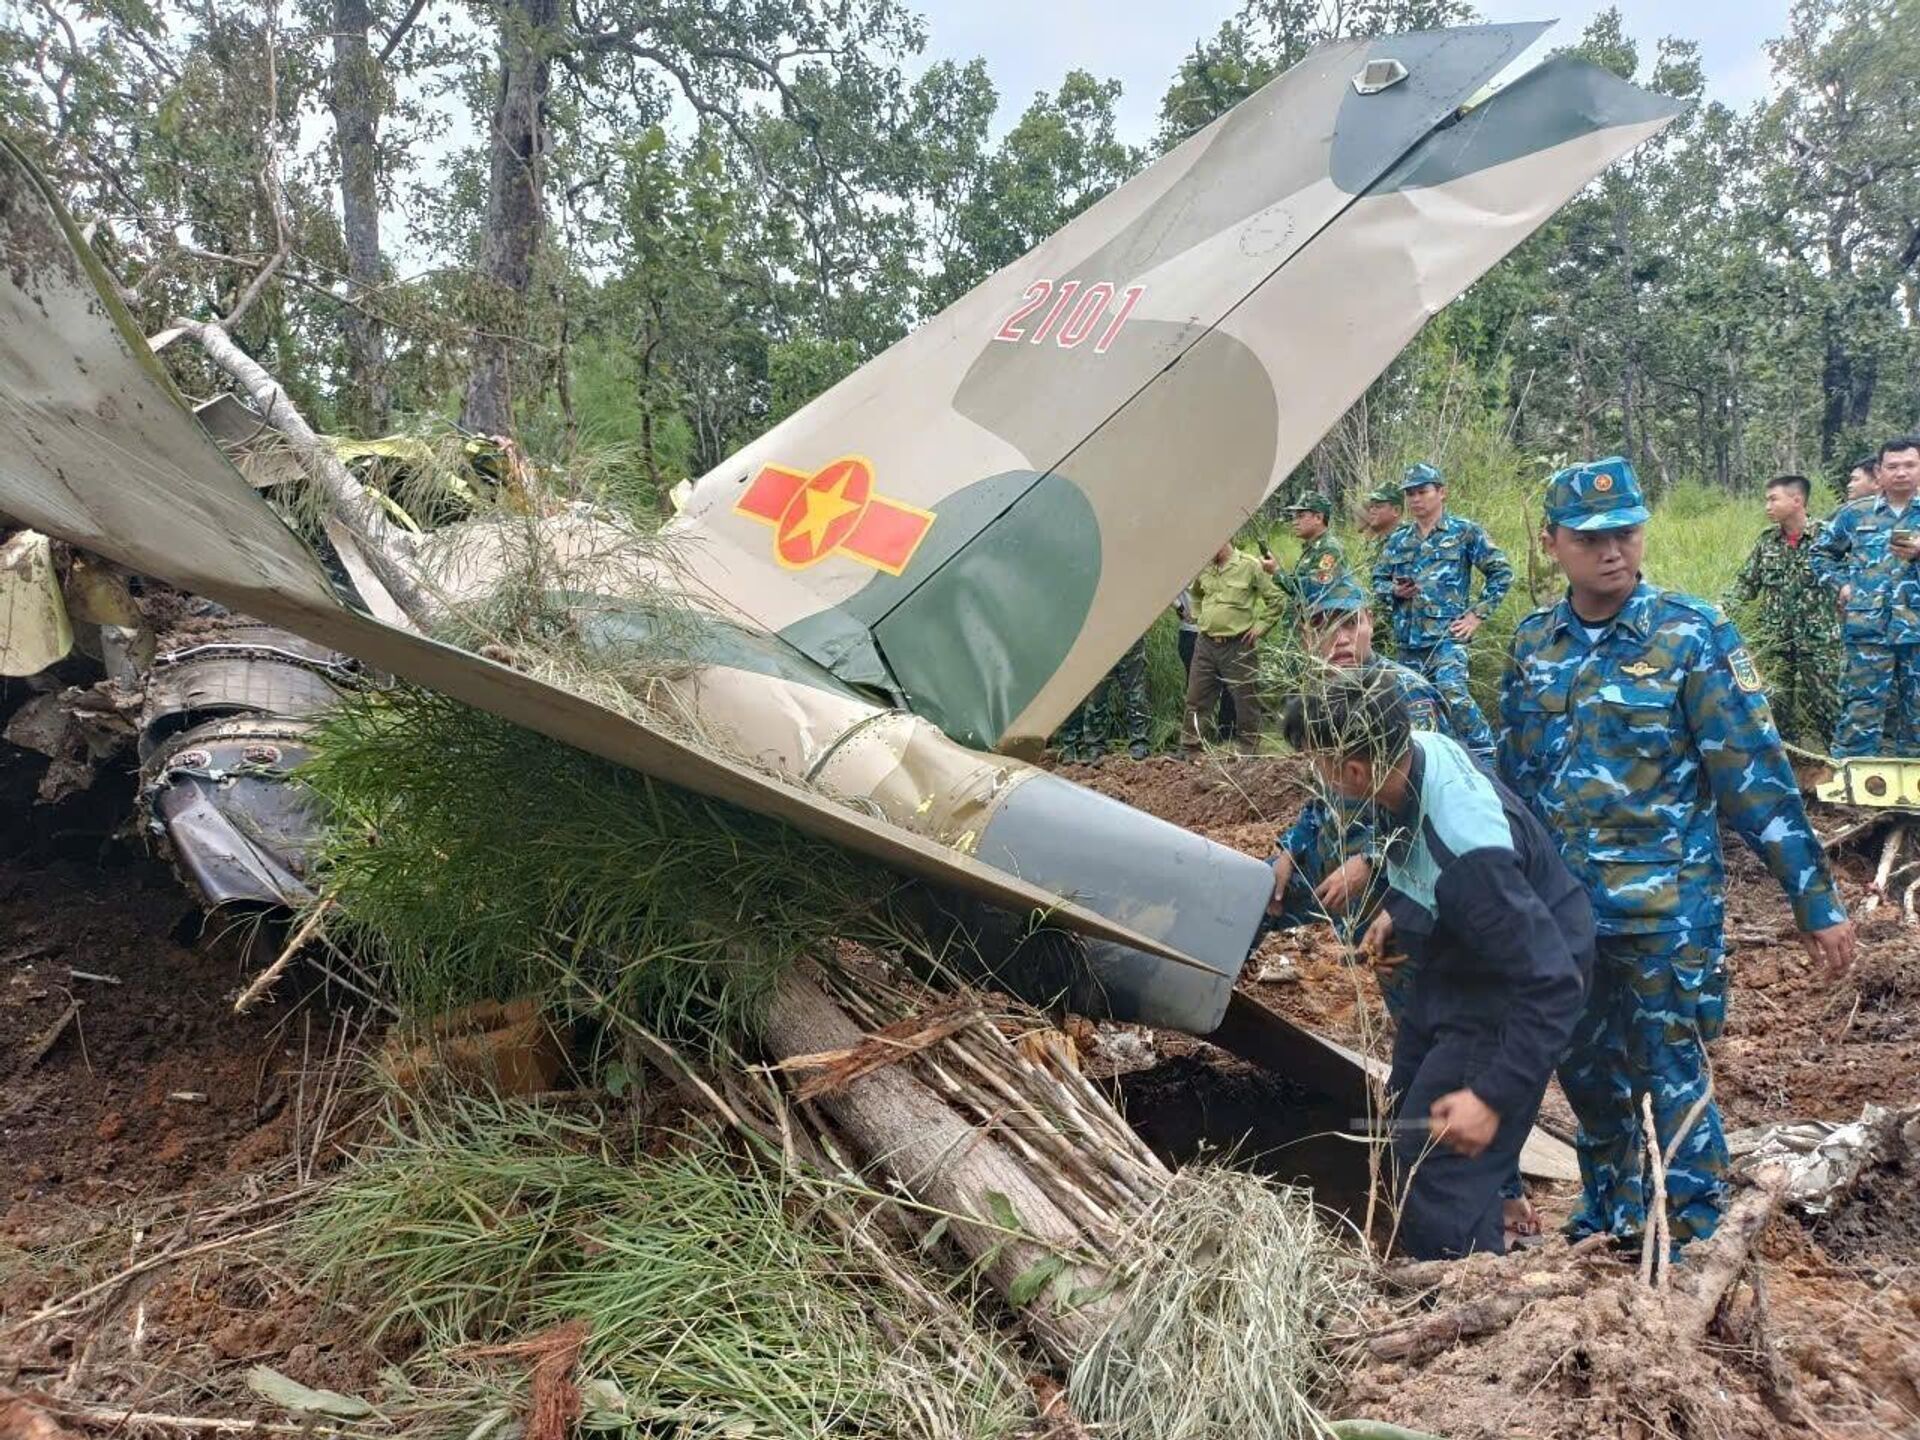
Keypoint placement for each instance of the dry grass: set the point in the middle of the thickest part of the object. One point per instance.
(1234, 1283)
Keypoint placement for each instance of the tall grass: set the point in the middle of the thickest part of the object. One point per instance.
(1233, 1283)
(712, 1311)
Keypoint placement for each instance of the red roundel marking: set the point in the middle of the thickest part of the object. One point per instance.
(824, 512)
(833, 511)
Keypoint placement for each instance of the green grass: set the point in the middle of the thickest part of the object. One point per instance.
(713, 1310)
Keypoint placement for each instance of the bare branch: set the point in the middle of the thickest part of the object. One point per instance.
(388, 549)
(400, 30)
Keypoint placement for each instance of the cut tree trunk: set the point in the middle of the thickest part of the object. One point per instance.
(516, 209)
(387, 550)
(901, 1127)
(356, 120)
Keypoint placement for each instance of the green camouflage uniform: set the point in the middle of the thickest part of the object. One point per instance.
(1791, 621)
(1321, 562)
(1120, 698)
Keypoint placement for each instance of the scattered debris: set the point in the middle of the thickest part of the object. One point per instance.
(34, 629)
(270, 1384)
(1823, 1160)
(78, 728)
(1278, 970)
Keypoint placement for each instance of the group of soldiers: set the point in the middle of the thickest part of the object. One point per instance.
(1835, 608)
(1422, 574)
(1545, 895)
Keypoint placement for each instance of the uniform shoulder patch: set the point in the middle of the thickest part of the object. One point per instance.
(1745, 674)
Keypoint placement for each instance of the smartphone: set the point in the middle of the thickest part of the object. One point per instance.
(1265, 553)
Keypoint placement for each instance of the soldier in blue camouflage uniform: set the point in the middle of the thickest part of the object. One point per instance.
(1868, 557)
(1425, 576)
(1323, 865)
(1120, 698)
(1632, 721)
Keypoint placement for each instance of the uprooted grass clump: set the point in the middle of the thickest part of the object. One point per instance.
(476, 860)
(1233, 1284)
(709, 1308)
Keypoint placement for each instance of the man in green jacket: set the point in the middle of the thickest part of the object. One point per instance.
(1322, 557)
(1790, 617)
(1235, 602)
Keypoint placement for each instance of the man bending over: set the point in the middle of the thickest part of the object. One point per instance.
(1501, 937)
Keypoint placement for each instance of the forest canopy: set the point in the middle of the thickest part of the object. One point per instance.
(636, 235)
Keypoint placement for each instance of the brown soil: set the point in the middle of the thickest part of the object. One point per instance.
(100, 1168)
(131, 1128)
(1842, 1309)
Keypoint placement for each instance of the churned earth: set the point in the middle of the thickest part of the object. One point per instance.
(142, 1121)
(1834, 1346)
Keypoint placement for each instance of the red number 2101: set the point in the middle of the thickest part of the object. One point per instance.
(1074, 315)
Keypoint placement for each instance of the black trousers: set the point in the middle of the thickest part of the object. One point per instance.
(1450, 1205)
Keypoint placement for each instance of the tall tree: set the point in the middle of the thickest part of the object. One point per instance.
(355, 100)
(629, 62)
(1847, 185)
(516, 206)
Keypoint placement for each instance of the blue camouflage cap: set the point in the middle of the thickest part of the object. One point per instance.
(1598, 495)
(1342, 594)
(1418, 475)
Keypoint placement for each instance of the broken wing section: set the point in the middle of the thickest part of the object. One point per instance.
(100, 451)
(1176, 470)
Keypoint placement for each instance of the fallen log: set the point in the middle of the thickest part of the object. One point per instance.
(1003, 1220)
(1432, 1334)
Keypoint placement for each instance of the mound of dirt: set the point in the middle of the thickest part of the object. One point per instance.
(136, 1110)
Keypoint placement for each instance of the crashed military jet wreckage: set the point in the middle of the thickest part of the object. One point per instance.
(909, 583)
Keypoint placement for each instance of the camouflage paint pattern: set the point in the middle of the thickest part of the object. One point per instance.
(1795, 632)
(1634, 747)
(974, 526)
(1657, 999)
(1880, 686)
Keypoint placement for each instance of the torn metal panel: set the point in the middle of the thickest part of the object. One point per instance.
(240, 829)
(256, 449)
(225, 725)
(77, 728)
(35, 631)
(1825, 1160)
(1882, 782)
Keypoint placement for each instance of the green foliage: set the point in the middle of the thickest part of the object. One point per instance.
(799, 369)
(481, 861)
(711, 1311)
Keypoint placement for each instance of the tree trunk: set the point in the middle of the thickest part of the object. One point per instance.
(388, 550)
(516, 186)
(900, 1126)
(356, 120)
(1630, 428)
